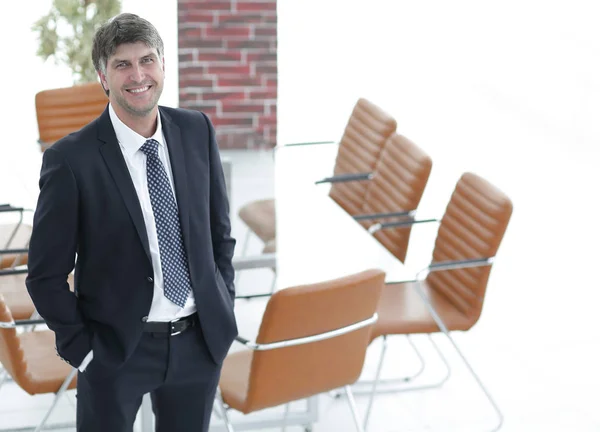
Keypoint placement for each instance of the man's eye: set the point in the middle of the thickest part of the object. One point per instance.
(147, 60)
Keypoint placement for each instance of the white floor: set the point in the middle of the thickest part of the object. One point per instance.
(535, 346)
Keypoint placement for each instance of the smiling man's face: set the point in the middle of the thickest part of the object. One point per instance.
(135, 77)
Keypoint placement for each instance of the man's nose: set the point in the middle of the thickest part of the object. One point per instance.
(137, 73)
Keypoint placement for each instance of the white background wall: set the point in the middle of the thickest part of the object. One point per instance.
(468, 81)
(460, 77)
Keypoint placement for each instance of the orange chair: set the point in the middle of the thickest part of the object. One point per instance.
(65, 110)
(16, 297)
(398, 184)
(307, 344)
(366, 131)
(14, 238)
(30, 360)
(394, 193)
(450, 298)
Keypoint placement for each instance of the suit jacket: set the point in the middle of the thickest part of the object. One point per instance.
(88, 216)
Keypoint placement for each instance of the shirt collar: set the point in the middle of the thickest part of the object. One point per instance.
(130, 140)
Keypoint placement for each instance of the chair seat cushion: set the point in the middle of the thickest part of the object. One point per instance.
(259, 216)
(16, 297)
(19, 303)
(402, 311)
(45, 371)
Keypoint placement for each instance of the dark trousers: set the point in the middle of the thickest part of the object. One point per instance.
(177, 371)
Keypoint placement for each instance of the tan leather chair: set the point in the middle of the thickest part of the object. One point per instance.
(450, 298)
(30, 359)
(364, 135)
(398, 183)
(16, 297)
(307, 344)
(14, 236)
(65, 110)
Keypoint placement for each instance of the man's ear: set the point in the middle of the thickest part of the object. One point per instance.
(103, 80)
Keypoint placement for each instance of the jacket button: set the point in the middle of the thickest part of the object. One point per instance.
(150, 279)
(144, 319)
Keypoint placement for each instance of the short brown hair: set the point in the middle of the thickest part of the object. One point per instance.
(121, 29)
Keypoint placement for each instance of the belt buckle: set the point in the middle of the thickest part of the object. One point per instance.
(173, 328)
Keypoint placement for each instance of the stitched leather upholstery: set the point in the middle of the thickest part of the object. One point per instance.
(366, 131)
(66, 110)
(472, 227)
(400, 179)
(364, 136)
(254, 380)
(30, 358)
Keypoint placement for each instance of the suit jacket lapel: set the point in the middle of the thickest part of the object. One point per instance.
(113, 157)
(177, 158)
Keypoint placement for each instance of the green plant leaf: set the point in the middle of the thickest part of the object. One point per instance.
(67, 32)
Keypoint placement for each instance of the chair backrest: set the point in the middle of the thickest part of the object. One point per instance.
(66, 110)
(366, 131)
(400, 178)
(472, 227)
(11, 355)
(14, 236)
(286, 374)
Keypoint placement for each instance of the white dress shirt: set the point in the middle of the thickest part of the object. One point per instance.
(162, 309)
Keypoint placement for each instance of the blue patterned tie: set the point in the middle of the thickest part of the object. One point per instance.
(173, 258)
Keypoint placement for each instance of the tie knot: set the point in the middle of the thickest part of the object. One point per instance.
(150, 147)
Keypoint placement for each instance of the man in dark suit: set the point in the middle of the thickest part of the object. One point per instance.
(136, 202)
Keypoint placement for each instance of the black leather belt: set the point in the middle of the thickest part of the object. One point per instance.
(171, 328)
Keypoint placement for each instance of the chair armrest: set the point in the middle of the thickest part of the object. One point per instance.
(7, 208)
(342, 178)
(13, 251)
(18, 323)
(409, 213)
(308, 339)
(308, 143)
(255, 262)
(13, 272)
(447, 265)
(405, 223)
(455, 265)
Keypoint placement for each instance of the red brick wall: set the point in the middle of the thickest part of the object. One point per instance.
(228, 67)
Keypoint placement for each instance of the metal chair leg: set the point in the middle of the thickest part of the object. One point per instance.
(404, 380)
(236, 279)
(285, 416)
(246, 241)
(444, 329)
(373, 391)
(376, 380)
(274, 282)
(3, 377)
(224, 411)
(59, 393)
(352, 404)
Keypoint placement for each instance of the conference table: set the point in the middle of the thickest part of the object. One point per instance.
(316, 241)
